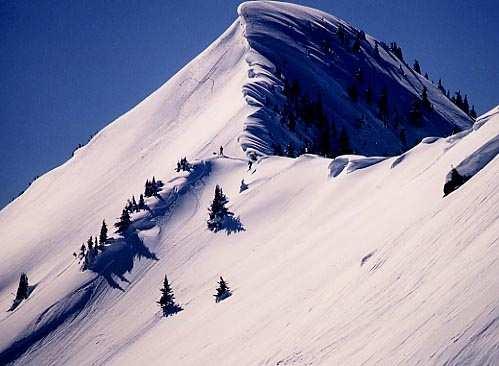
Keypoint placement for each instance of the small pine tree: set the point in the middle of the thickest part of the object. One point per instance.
(23, 288)
(123, 223)
(147, 190)
(103, 233)
(376, 49)
(90, 244)
(473, 112)
(218, 211)
(135, 207)
(424, 99)
(466, 105)
(223, 290)
(440, 86)
(141, 205)
(454, 181)
(167, 300)
(417, 67)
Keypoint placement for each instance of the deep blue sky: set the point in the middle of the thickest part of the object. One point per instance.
(68, 68)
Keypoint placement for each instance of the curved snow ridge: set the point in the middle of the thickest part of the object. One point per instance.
(351, 163)
(477, 160)
(292, 43)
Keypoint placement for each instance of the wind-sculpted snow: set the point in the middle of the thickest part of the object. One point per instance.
(351, 163)
(288, 44)
(370, 267)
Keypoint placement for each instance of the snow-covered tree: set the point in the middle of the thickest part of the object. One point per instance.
(167, 300)
(223, 290)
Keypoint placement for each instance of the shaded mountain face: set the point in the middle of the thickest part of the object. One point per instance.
(355, 260)
(325, 87)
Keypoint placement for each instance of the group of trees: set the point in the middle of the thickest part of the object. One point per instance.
(152, 187)
(133, 206)
(299, 106)
(183, 165)
(90, 250)
(93, 246)
(167, 300)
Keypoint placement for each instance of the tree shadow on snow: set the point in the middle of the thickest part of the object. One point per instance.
(119, 258)
(232, 224)
(17, 302)
(66, 309)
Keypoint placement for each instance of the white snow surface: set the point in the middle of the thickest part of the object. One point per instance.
(364, 265)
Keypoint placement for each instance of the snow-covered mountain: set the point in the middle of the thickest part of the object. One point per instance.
(353, 260)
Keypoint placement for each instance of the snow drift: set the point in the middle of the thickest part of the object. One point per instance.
(350, 261)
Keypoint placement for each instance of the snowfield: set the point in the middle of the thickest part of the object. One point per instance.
(357, 260)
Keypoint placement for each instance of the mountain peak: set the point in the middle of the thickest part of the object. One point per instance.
(302, 61)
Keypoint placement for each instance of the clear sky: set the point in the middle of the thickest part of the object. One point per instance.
(68, 68)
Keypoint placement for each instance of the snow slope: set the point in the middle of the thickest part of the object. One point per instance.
(367, 265)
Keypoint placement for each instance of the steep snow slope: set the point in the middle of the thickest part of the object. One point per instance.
(304, 66)
(424, 292)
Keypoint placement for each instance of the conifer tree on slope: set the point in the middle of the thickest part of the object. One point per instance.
(122, 225)
(103, 233)
(218, 211)
(141, 205)
(417, 67)
(23, 288)
(167, 300)
(223, 290)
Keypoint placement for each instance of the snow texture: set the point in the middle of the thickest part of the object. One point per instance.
(370, 267)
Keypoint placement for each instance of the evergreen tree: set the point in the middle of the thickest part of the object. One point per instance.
(90, 245)
(23, 288)
(454, 181)
(243, 186)
(473, 112)
(147, 190)
(415, 113)
(356, 45)
(341, 33)
(128, 205)
(417, 67)
(123, 223)
(103, 233)
(141, 205)
(135, 207)
(440, 86)
(218, 212)
(223, 290)
(466, 105)
(167, 300)
(376, 49)
(424, 99)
